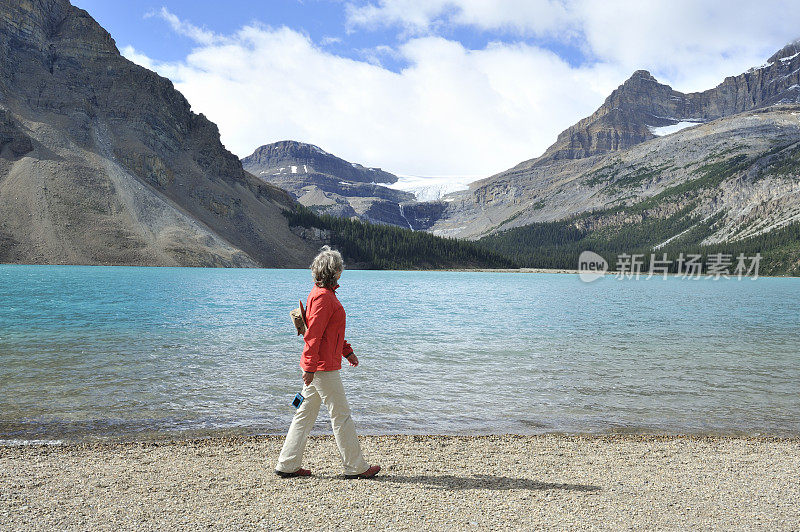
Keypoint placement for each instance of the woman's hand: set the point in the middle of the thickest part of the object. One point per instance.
(352, 359)
(308, 376)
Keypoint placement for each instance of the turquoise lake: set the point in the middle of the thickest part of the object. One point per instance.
(130, 353)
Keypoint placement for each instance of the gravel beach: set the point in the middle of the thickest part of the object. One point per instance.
(427, 482)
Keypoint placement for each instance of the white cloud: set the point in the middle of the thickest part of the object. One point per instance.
(376, 54)
(540, 17)
(330, 40)
(452, 111)
(416, 16)
(691, 44)
(184, 28)
(137, 57)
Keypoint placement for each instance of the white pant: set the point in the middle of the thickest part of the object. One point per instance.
(326, 387)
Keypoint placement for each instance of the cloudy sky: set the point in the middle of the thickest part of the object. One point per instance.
(461, 88)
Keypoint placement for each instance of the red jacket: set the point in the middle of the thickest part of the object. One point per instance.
(325, 343)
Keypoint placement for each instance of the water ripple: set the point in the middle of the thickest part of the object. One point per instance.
(90, 352)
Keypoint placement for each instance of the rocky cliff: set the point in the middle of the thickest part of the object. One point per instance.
(287, 158)
(630, 113)
(103, 161)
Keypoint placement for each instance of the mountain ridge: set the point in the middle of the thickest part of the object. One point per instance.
(328, 184)
(270, 157)
(626, 119)
(641, 101)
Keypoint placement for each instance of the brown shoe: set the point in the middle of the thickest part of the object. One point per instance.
(299, 473)
(369, 473)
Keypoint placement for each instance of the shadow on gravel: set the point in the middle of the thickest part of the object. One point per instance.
(484, 482)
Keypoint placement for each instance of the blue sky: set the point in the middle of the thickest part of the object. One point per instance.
(133, 22)
(460, 88)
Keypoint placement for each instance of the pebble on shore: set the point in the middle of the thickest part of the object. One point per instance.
(427, 482)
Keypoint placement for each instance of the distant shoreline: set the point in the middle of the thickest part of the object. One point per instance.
(501, 270)
(454, 270)
(574, 272)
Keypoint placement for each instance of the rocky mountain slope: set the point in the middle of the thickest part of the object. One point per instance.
(103, 161)
(630, 113)
(280, 160)
(330, 185)
(617, 159)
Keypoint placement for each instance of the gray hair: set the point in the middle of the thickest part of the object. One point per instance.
(325, 267)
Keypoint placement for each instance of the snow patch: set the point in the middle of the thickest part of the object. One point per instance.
(792, 73)
(753, 69)
(431, 188)
(305, 168)
(765, 65)
(294, 169)
(666, 130)
(784, 59)
(362, 167)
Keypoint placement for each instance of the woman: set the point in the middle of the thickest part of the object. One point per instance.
(321, 360)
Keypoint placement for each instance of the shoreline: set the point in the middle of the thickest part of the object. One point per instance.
(609, 273)
(245, 434)
(427, 482)
(455, 270)
(234, 438)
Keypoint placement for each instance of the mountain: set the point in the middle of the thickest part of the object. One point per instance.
(644, 138)
(730, 185)
(632, 112)
(330, 185)
(103, 161)
(278, 159)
